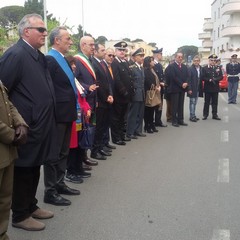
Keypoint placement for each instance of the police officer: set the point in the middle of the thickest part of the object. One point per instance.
(233, 69)
(211, 76)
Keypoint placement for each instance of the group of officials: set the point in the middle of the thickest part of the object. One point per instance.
(52, 96)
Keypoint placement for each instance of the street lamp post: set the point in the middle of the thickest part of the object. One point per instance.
(45, 21)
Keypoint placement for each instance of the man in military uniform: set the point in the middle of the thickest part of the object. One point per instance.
(157, 55)
(233, 69)
(136, 107)
(122, 91)
(211, 76)
(13, 132)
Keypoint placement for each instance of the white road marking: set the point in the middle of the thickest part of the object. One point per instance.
(225, 119)
(223, 171)
(221, 234)
(224, 136)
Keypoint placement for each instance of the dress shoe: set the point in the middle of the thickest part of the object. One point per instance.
(140, 134)
(163, 125)
(132, 136)
(67, 190)
(98, 156)
(56, 199)
(216, 117)
(110, 146)
(126, 139)
(90, 162)
(204, 118)
(106, 149)
(42, 214)
(149, 130)
(154, 129)
(86, 167)
(84, 174)
(175, 124)
(29, 224)
(119, 142)
(102, 152)
(197, 118)
(193, 119)
(73, 178)
(183, 124)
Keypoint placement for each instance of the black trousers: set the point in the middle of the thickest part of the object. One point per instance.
(102, 116)
(210, 98)
(25, 184)
(177, 100)
(119, 112)
(54, 169)
(75, 160)
(148, 118)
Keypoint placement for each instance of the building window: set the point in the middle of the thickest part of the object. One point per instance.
(215, 16)
(218, 34)
(218, 12)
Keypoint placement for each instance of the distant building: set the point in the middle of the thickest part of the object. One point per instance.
(221, 32)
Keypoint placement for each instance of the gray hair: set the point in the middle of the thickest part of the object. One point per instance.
(25, 23)
(55, 33)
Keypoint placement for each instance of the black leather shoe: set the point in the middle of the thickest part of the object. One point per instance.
(110, 146)
(102, 152)
(163, 125)
(98, 156)
(126, 139)
(84, 174)
(216, 117)
(67, 190)
(197, 118)
(140, 134)
(56, 199)
(193, 119)
(154, 130)
(149, 131)
(183, 124)
(175, 124)
(106, 149)
(132, 136)
(204, 118)
(120, 143)
(90, 162)
(86, 167)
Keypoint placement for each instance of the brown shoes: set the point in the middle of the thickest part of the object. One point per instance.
(29, 224)
(42, 214)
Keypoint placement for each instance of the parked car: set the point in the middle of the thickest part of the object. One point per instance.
(223, 84)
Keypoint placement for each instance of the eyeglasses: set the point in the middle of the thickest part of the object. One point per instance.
(39, 29)
(111, 55)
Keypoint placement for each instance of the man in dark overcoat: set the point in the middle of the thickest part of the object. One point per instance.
(178, 82)
(23, 70)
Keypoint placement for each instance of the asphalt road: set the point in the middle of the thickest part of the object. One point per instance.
(178, 184)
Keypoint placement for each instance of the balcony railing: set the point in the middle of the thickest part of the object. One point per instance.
(230, 7)
(206, 35)
(230, 31)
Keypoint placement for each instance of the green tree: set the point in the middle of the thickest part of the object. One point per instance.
(188, 51)
(34, 6)
(101, 39)
(152, 44)
(11, 15)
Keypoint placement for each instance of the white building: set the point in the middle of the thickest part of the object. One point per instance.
(222, 31)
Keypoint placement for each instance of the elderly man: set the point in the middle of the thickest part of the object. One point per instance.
(24, 72)
(66, 112)
(13, 133)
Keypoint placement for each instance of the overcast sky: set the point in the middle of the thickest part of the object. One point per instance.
(169, 23)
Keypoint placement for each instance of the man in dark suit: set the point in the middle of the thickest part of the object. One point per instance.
(211, 75)
(104, 100)
(178, 82)
(13, 133)
(23, 70)
(122, 91)
(136, 107)
(85, 74)
(66, 112)
(157, 55)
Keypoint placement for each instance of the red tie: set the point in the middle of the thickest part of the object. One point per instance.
(104, 66)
